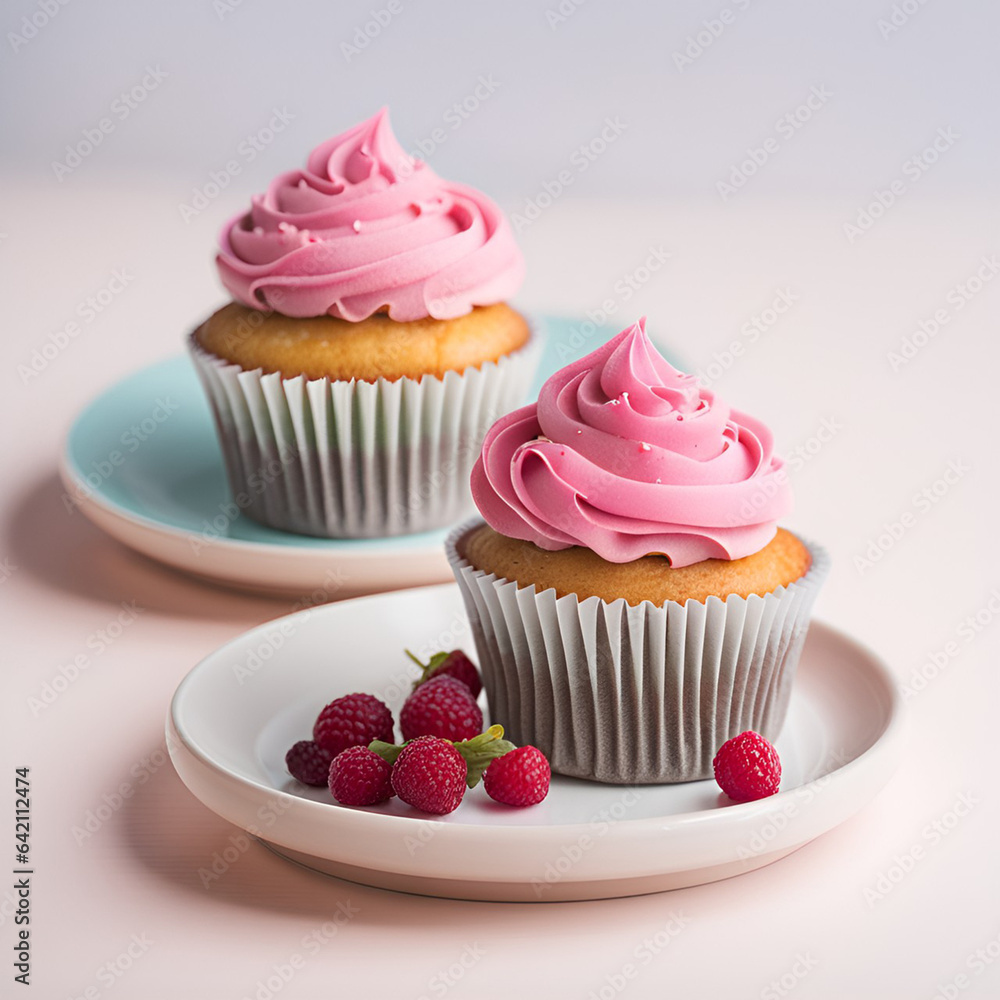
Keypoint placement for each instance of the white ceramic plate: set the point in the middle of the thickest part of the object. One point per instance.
(234, 716)
(144, 463)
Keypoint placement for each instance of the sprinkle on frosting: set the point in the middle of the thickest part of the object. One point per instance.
(365, 227)
(700, 481)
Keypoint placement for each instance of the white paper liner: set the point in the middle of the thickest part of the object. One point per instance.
(355, 459)
(634, 694)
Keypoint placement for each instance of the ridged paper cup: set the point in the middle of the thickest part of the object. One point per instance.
(634, 694)
(356, 459)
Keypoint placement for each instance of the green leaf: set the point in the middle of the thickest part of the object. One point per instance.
(426, 669)
(478, 752)
(481, 751)
(387, 751)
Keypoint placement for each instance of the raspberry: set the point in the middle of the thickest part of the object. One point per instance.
(454, 664)
(442, 707)
(354, 720)
(308, 762)
(359, 777)
(747, 767)
(519, 778)
(429, 774)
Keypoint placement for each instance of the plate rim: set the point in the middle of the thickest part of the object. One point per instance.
(885, 742)
(72, 480)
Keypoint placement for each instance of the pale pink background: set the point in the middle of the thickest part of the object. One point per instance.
(138, 874)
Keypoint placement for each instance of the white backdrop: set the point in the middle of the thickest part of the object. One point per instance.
(696, 83)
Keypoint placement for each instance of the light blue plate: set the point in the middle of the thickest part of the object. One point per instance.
(143, 462)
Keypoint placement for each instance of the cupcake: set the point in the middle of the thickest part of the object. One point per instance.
(633, 601)
(368, 346)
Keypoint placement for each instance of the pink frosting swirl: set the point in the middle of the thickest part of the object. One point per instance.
(366, 227)
(629, 457)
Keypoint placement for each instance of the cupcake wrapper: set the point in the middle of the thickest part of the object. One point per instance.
(357, 459)
(634, 694)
